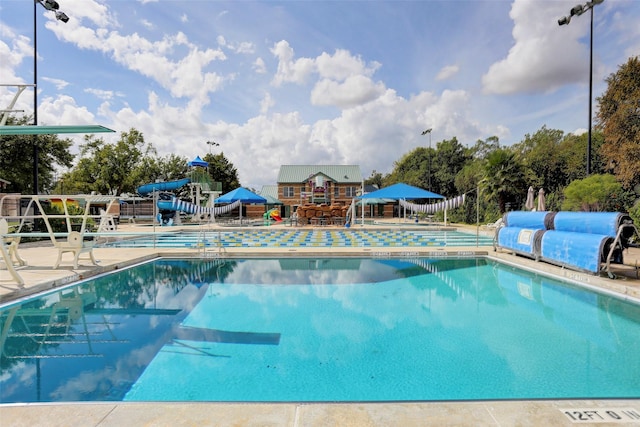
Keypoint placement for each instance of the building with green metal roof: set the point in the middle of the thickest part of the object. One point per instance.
(318, 184)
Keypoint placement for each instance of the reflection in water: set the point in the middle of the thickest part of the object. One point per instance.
(135, 332)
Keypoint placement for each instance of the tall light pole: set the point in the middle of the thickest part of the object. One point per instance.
(577, 11)
(428, 131)
(53, 6)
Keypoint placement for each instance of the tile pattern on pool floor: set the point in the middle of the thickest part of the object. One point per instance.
(308, 238)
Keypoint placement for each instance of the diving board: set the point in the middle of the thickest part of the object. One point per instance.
(51, 130)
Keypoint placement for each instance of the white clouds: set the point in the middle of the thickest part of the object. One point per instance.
(267, 102)
(544, 57)
(342, 65)
(80, 11)
(339, 98)
(447, 72)
(58, 83)
(259, 66)
(242, 47)
(355, 90)
(102, 94)
(290, 71)
(344, 80)
(63, 110)
(148, 25)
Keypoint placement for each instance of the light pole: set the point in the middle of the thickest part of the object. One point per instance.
(428, 131)
(577, 11)
(53, 6)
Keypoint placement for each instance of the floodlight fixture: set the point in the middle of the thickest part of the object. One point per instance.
(61, 16)
(49, 4)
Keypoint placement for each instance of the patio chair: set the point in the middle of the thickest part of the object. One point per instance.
(9, 250)
(76, 245)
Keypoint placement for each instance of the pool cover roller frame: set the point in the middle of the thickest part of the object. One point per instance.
(577, 240)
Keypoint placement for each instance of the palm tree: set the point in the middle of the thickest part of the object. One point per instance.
(504, 177)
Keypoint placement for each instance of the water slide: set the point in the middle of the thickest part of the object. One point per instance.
(143, 190)
(166, 209)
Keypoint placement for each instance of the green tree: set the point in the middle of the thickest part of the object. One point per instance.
(109, 168)
(222, 170)
(504, 179)
(411, 169)
(596, 193)
(482, 149)
(540, 155)
(467, 182)
(376, 179)
(16, 159)
(168, 168)
(450, 158)
(619, 118)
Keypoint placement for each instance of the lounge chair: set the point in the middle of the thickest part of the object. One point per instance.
(9, 251)
(76, 245)
(494, 225)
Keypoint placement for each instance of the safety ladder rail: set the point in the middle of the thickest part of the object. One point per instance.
(625, 232)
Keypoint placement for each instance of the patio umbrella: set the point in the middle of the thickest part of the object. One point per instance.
(371, 202)
(529, 205)
(541, 201)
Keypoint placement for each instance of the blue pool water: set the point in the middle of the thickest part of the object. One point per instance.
(300, 329)
(307, 238)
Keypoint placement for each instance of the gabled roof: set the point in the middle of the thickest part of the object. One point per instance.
(338, 173)
(270, 192)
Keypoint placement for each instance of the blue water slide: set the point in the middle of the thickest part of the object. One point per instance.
(178, 206)
(145, 189)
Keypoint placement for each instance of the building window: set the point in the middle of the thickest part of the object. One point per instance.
(287, 191)
(351, 191)
(336, 191)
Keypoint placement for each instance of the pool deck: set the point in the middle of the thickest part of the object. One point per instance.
(39, 276)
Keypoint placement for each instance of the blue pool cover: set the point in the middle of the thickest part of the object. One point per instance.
(526, 219)
(521, 240)
(581, 250)
(606, 223)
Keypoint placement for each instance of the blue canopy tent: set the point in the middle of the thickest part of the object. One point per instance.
(243, 196)
(401, 191)
(198, 162)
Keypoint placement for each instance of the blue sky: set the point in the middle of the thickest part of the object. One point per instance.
(313, 82)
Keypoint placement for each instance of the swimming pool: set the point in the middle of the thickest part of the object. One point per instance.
(306, 238)
(319, 329)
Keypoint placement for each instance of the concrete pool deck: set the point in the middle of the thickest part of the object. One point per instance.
(40, 276)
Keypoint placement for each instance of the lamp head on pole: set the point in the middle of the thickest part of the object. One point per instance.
(427, 131)
(53, 6)
(578, 10)
(61, 16)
